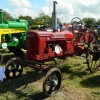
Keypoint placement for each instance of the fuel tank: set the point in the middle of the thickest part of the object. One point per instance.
(17, 24)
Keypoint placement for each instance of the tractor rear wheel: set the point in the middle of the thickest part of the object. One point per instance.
(13, 69)
(93, 62)
(52, 82)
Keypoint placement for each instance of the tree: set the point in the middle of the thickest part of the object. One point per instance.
(98, 22)
(89, 22)
(58, 21)
(7, 16)
(46, 19)
(28, 18)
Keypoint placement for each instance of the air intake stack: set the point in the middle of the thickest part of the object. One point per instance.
(54, 17)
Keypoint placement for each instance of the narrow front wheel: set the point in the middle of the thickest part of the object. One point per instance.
(52, 82)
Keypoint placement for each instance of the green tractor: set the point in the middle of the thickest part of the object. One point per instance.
(13, 35)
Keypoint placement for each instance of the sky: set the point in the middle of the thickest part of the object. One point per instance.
(66, 9)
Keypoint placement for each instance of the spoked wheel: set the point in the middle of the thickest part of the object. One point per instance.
(13, 69)
(93, 62)
(52, 82)
(98, 47)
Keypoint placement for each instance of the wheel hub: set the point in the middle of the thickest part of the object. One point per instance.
(55, 83)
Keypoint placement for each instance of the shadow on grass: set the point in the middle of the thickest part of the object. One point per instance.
(14, 85)
(6, 58)
(30, 77)
(73, 70)
(91, 82)
(37, 96)
(22, 82)
(76, 69)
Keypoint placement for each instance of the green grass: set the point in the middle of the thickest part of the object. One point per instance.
(77, 83)
(77, 79)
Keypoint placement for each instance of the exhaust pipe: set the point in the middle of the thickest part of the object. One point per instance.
(1, 16)
(54, 17)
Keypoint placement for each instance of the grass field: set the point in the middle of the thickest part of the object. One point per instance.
(77, 83)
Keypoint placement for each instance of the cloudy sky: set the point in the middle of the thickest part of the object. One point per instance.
(66, 9)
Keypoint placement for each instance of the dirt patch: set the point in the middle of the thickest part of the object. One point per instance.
(61, 94)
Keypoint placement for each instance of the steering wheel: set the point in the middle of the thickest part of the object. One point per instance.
(73, 23)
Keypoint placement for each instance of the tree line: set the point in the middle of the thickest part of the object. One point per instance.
(45, 19)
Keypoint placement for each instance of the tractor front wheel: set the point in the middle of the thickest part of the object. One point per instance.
(52, 82)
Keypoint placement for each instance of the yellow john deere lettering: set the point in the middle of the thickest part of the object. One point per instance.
(9, 31)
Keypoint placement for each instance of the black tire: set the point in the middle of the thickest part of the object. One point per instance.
(52, 81)
(13, 69)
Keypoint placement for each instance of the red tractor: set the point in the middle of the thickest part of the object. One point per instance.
(43, 46)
